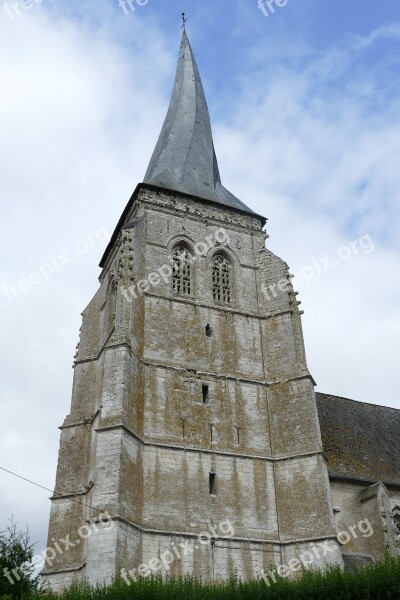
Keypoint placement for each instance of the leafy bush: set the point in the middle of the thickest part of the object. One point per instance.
(16, 573)
(379, 581)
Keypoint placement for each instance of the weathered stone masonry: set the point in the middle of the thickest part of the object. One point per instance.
(192, 402)
(139, 374)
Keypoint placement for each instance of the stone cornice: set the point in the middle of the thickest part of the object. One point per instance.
(176, 212)
(139, 194)
(275, 541)
(228, 376)
(212, 451)
(61, 571)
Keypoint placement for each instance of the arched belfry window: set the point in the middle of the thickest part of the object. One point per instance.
(396, 518)
(222, 279)
(182, 271)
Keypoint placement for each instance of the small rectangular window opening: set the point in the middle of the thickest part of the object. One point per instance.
(182, 428)
(206, 393)
(212, 483)
(237, 430)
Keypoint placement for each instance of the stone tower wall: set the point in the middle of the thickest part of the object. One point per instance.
(140, 443)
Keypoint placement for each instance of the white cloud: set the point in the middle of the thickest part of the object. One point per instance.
(81, 114)
(388, 31)
(80, 117)
(322, 164)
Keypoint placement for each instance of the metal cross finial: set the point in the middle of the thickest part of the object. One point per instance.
(184, 19)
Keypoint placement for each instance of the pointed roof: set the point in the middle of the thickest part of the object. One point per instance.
(184, 158)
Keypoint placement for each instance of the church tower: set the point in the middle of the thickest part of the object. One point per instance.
(193, 410)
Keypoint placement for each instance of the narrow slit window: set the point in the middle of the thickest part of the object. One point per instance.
(208, 330)
(222, 279)
(205, 390)
(181, 271)
(212, 483)
(182, 422)
(237, 432)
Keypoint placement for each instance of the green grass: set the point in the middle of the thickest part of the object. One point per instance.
(379, 581)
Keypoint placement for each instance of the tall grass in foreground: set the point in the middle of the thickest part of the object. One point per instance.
(379, 581)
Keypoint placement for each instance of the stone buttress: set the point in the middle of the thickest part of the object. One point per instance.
(192, 402)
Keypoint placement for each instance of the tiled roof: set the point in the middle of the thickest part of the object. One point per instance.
(361, 441)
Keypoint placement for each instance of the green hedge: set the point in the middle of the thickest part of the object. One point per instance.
(379, 581)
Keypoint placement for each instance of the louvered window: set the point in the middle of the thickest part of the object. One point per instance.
(222, 279)
(181, 271)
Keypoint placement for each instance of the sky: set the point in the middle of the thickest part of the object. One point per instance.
(305, 106)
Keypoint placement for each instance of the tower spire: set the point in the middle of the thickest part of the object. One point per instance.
(184, 158)
(184, 19)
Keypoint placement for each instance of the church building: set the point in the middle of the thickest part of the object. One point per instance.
(194, 422)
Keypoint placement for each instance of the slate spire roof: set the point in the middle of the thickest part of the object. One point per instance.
(184, 158)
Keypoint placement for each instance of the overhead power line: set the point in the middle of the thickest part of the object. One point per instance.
(45, 488)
